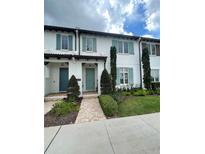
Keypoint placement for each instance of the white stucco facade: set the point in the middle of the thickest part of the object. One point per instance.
(77, 66)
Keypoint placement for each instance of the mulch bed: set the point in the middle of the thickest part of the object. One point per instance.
(52, 120)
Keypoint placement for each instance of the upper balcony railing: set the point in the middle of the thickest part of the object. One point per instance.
(53, 51)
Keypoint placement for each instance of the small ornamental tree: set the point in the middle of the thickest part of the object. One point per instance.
(146, 68)
(105, 83)
(113, 58)
(73, 89)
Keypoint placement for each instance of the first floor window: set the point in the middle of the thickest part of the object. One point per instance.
(155, 75)
(126, 77)
(65, 42)
(121, 78)
(123, 75)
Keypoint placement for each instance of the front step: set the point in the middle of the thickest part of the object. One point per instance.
(54, 98)
(91, 95)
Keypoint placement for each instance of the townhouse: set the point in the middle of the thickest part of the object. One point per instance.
(85, 54)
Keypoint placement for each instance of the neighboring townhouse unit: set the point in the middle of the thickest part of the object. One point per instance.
(153, 46)
(85, 54)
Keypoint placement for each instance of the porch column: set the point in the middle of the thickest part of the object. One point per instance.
(75, 68)
(100, 69)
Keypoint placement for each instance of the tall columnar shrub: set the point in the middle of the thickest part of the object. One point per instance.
(146, 68)
(113, 58)
(105, 82)
(73, 88)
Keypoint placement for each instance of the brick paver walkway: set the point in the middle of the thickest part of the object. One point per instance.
(90, 110)
(48, 106)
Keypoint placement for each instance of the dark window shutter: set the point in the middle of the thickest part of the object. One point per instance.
(94, 45)
(58, 41)
(157, 50)
(70, 42)
(84, 43)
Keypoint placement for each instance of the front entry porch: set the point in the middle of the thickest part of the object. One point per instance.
(59, 69)
(89, 77)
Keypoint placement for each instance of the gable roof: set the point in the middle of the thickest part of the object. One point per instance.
(67, 29)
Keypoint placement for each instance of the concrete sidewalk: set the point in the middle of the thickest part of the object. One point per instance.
(129, 135)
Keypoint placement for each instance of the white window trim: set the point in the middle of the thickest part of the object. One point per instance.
(90, 51)
(67, 35)
(123, 71)
(123, 52)
(155, 75)
(91, 44)
(150, 46)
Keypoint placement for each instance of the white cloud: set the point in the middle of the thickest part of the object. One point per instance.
(148, 35)
(152, 14)
(100, 15)
(108, 15)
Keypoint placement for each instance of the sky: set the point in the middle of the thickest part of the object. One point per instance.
(131, 17)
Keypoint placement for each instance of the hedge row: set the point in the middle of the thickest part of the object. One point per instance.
(109, 105)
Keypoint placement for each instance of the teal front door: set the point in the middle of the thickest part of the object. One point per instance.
(63, 79)
(90, 79)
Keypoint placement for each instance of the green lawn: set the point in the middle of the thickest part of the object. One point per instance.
(136, 105)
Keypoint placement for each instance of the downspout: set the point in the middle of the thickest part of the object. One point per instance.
(75, 40)
(140, 63)
(79, 42)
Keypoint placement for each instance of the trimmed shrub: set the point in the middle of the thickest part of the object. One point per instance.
(150, 92)
(141, 92)
(105, 83)
(157, 92)
(113, 58)
(62, 108)
(155, 85)
(109, 105)
(146, 68)
(117, 96)
(73, 89)
(126, 93)
(132, 92)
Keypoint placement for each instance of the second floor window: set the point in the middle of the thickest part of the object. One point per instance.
(89, 44)
(126, 47)
(153, 49)
(64, 42)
